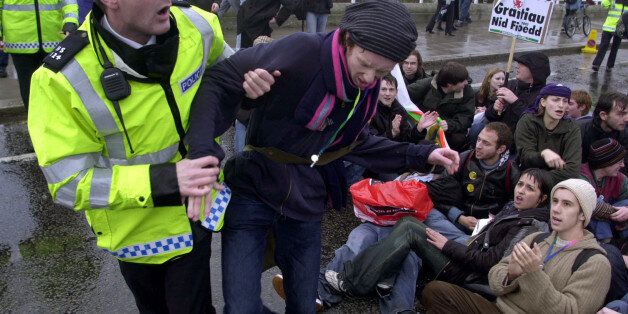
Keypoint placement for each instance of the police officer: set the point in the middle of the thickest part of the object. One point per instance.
(31, 29)
(108, 113)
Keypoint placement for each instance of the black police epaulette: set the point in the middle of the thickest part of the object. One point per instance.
(66, 50)
(181, 3)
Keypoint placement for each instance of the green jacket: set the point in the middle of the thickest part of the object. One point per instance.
(456, 108)
(531, 137)
(26, 26)
(614, 14)
(89, 164)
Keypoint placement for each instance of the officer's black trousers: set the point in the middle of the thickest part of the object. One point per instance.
(181, 285)
(25, 65)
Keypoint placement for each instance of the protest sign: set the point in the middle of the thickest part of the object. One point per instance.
(523, 19)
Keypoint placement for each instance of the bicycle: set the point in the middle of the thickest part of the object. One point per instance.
(577, 20)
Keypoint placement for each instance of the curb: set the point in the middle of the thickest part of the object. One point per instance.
(11, 108)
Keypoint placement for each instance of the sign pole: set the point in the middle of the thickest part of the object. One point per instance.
(510, 57)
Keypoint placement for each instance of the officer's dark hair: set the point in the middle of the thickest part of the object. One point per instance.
(451, 73)
(390, 79)
(504, 135)
(607, 101)
(543, 179)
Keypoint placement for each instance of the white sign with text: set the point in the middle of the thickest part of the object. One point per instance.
(523, 19)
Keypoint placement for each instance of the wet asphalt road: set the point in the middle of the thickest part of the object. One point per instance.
(48, 258)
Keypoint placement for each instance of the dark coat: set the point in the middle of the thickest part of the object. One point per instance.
(591, 131)
(456, 108)
(381, 124)
(318, 6)
(492, 243)
(540, 69)
(254, 15)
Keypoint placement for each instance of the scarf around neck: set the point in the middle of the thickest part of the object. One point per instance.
(331, 87)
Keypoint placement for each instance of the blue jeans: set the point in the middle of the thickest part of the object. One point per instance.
(620, 306)
(315, 23)
(297, 253)
(4, 60)
(363, 236)
(465, 6)
(452, 231)
(603, 229)
(240, 137)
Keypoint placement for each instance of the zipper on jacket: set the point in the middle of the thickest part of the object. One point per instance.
(481, 190)
(176, 115)
(38, 23)
(289, 190)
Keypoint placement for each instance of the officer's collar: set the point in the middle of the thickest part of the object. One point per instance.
(133, 44)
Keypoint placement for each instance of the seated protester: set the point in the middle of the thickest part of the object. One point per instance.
(449, 260)
(609, 120)
(412, 68)
(616, 306)
(541, 277)
(547, 140)
(606, 158)
(579, 105)
(392, 120)
(532, 71)
(449, 94)
(485, 97)
(485, 178)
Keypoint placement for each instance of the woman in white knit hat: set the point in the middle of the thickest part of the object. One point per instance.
(541, 277)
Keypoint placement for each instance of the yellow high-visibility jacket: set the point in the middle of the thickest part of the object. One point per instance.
(26, 26)
(82, 149)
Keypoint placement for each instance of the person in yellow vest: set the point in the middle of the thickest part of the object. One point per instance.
(616, 8)
(109, 110)
(30, 29)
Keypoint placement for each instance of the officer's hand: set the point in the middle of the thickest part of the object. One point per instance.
(196, 176)
(194, 203)
(258, 82)
(1, 45)
(215, 7)
(445, 157)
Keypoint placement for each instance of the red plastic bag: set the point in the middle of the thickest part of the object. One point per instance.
(383, 203)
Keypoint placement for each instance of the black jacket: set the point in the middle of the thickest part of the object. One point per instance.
(254, 15)
(492, 243)
(382, 123)
(540, 69)
(318, 6)
(485, 192)
(591, 131)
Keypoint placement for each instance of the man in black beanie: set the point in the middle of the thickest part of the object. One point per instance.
(324, 91)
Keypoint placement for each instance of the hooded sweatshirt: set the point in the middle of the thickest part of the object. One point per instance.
(539, 66)
(555, 289)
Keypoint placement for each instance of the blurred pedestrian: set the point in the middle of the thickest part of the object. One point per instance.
(35, 29)
(615, 13)
(317, 12)
(4, 62)
(444, 12)
(259, 18)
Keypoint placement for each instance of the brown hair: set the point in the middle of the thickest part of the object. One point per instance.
(390, 79)
(581, 97)
(504, 134)
(485, 88)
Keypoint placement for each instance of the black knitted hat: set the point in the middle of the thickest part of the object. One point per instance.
(384, 27)
(604, 153)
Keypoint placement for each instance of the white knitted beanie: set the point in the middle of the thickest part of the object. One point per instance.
(584, 192)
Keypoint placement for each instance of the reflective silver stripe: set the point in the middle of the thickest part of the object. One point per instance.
(101, 116)
(99, 190)
(66, 195)
(31, 7)
(68, 166)
(226, 53)
(207, 33)
(69, 2)
(70, 15)
(158, 157)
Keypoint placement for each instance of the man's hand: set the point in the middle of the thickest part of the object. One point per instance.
(194, 202)
(1, 45)
(194, 176)
(258, 82)
(395, 125)
(273, 23)
(506, 95)
(215, 7)
(446, 157)
(468, 221)
(436, 239)
(606, 310)
(443, 125)
(427, 120)
(499, 106)
(479, 110)
(552, 159)
(514, 270)
(621, 214)
(530, 260)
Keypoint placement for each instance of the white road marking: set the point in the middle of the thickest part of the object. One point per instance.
(18, 158)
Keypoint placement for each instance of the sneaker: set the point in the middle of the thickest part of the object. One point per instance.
(334, 280)
(278, 286)
(3, 73)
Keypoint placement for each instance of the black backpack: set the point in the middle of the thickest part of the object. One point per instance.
(582, 257)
